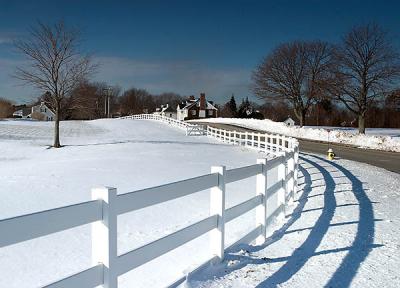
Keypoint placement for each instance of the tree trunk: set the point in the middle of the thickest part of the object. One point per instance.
(302, 118)
(57, 128)
(361, 124)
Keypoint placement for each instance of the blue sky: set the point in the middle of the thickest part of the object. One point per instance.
(186, 47)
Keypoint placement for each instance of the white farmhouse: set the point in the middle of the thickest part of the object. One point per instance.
(42, 112)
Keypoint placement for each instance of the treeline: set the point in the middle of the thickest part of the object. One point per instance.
(6, 108)
(358, 74)
(326, 112)
(90, 101)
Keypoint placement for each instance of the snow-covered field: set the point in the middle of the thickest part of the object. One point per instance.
(380, 139)
(346, 221)
(125, 154)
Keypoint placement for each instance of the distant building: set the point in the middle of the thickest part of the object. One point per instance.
(166, 111)
(22, 112)
(42, 112)
(38, 112)
(196, 109)
(289, 121)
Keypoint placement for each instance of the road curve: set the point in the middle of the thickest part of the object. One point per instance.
(388, 160)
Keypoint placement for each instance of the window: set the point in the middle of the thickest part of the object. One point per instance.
(209, 112)
(194, 112)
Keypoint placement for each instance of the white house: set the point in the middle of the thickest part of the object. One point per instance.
(166, 111)
(24, 113)
(42, 112)
(196, 109)
(289, 121)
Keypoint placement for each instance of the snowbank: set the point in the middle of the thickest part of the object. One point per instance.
(337, 135)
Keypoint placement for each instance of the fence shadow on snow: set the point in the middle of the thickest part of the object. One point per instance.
(356, 253)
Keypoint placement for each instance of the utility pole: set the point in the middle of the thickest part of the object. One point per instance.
(105, 104)
(107, 95)
(108, 106)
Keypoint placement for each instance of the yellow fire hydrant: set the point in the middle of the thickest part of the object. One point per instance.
(331, 155)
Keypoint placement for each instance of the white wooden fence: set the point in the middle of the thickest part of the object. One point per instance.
(191, 129)
(103, 210)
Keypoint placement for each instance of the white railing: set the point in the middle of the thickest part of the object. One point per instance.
(191, 129)
(263, 142)
(106, 205)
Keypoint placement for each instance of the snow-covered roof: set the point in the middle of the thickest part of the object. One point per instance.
(22, 112)
(189, 104)
(167, 108)
(289, 119)
(43, 105)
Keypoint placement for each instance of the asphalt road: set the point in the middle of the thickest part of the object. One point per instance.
(388, 160)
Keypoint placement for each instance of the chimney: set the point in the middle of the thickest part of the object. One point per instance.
(202, 101)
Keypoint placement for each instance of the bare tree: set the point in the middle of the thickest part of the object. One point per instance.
(294, 73)
(6, 108)
(367, 67)
(55, 64)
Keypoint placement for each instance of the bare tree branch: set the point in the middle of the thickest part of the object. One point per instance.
(55, 64)
(367, 67)
(295, 72)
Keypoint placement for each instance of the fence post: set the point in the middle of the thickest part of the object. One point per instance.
(292, 171)
(287, 183)
(104, 236)
(296, 167)
(217, 207)
(281, 177)
(261, 210)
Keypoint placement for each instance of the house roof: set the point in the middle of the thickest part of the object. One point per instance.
(44, 105)
(168, 109)
(189, 104)
(288, 119)
(23, 112)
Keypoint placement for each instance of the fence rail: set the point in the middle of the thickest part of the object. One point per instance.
(106, 205)
(191, 129)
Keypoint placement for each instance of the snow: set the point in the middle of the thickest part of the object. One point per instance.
(380, 139)
(346, 219)
(342, 233)
(126, 154)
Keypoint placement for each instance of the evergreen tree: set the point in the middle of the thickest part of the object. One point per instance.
(244, 108)
(232, 106)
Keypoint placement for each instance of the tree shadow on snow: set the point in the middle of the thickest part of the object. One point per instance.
(230, 254)
(308, 248)
(356, 253)
(363, 242)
